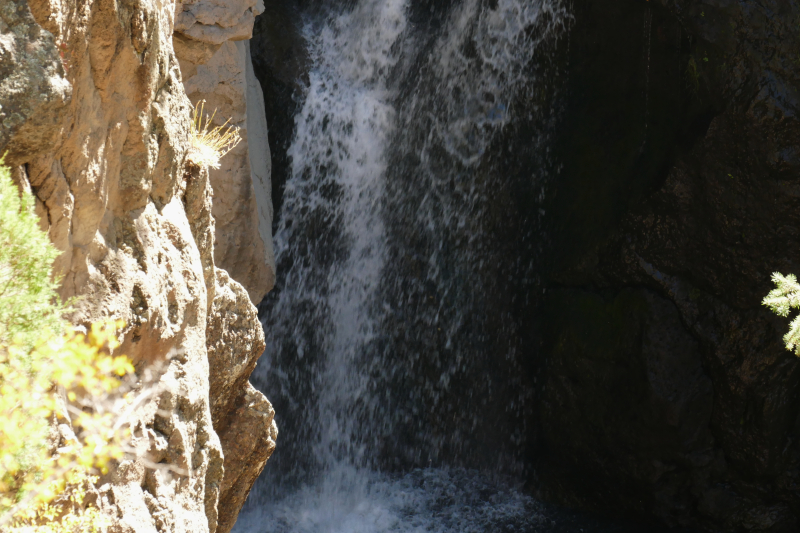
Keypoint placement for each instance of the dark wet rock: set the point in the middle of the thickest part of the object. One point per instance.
(668, 391)
(280, 62)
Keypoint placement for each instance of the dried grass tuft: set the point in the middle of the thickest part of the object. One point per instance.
(210, 144)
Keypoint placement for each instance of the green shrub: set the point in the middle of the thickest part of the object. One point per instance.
(30, 308)
(782, 299)
(40, 355)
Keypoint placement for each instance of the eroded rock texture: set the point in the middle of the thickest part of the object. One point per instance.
(240, 413)
(665, 389)
(96, 120)
(242, 417)
(221, 74)
(33, 89)
(217, 21)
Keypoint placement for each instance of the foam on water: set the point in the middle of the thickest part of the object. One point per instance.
(425, 500)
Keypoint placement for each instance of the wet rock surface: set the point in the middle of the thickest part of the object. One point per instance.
(665, 389)
(280, 62)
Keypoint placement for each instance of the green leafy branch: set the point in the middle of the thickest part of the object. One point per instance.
(782, 299)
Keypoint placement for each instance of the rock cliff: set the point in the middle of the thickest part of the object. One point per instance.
(216, 67)
(666, 390)
(96, 120)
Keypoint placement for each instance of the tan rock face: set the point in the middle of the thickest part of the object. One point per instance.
(33, 89)
(240, 413)
(217, 21)
(260, 161)
(241, 416)
(220, 73)
(242, 204)
(111, 187)
(98, 125)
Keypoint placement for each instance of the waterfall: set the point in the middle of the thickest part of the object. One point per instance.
(330, 240)
(403, 248)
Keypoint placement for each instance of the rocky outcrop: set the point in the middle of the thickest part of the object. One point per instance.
(221, 74)
(218, 71)
(97, 122)
(33, 86)
(242, 417)
(240, 413)
(217, 21)
(667, 391)
(109, 188)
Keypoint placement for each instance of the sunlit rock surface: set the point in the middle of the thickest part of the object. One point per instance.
(243, 417)
(221, 75)
(217, 21)
(34, 92)
(96, 123)
(110, 189)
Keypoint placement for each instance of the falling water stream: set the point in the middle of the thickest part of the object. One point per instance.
(405, 248)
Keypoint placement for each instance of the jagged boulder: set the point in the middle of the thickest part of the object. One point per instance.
(240, 413)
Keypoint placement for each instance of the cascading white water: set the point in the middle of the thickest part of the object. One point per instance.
(338, 174)
(331, 230)
(381, 248)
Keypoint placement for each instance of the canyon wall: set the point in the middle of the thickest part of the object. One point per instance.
(96, 123)
(215, 62)
(664, 387)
